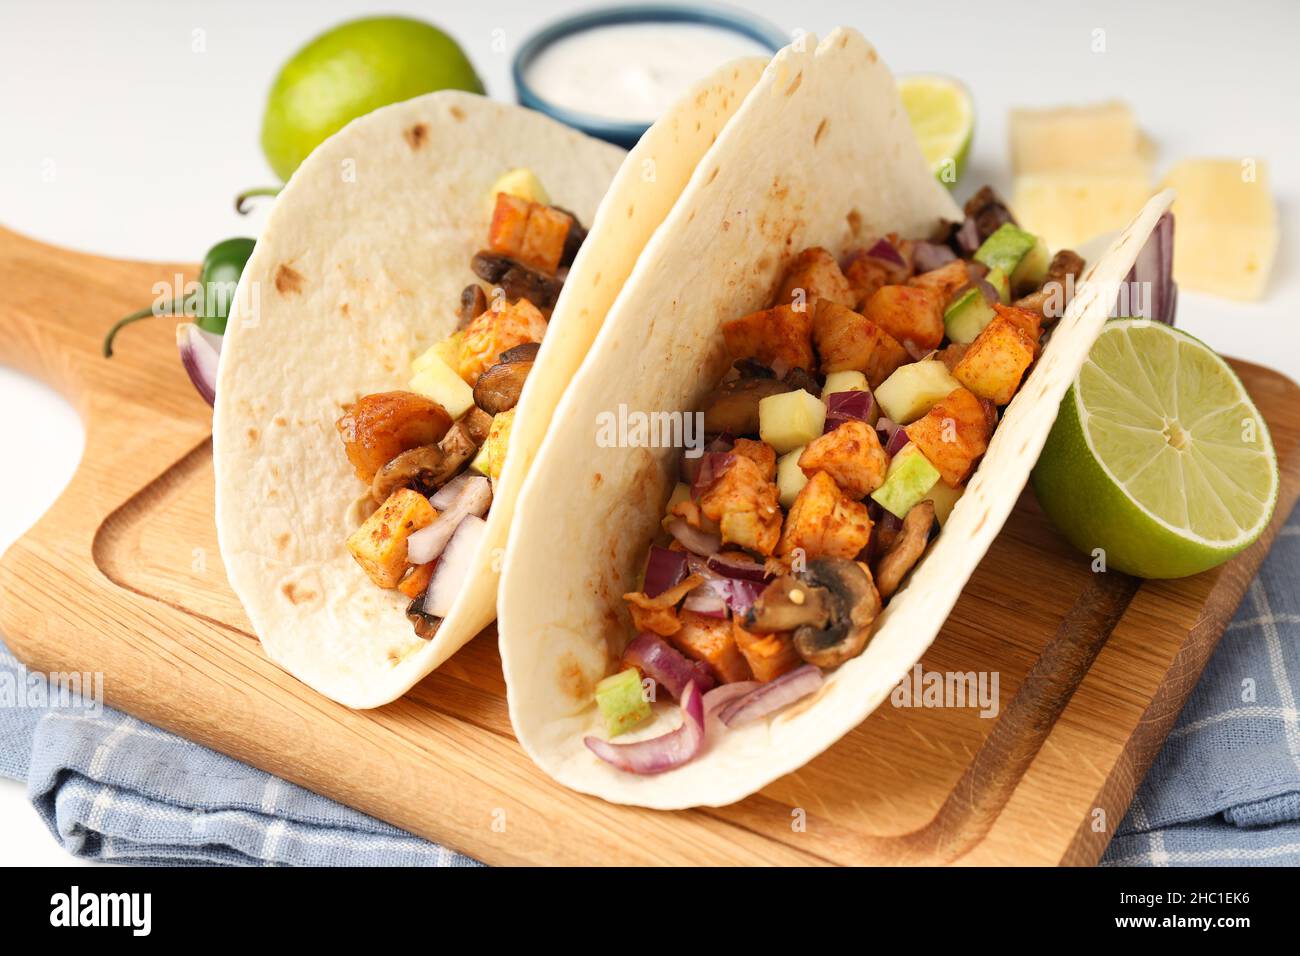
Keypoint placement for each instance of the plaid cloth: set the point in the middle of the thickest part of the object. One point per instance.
(112, 788)
(1225, 790)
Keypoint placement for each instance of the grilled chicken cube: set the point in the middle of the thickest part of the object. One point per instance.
(779, 334)
(709, 639)
(743, 500)
(851, 454)
(866, 276)
(500, 328)
(996, 361)
(953, 435)
(768, 655)
(944, 280)
(847, 341)
(824, 522)
(544, 240)
(377, 428)
(812, 276)
(528, 232)
(908, 313)
(1028, 321)
(379, 545)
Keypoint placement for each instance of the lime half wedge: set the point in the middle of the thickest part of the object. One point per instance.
(943, 119)
(1158, 457)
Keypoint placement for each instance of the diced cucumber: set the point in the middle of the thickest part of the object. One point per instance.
(790, 419)
(945, 498)
(966, 317)
(909, 479)
(914, 389)
(622, 701)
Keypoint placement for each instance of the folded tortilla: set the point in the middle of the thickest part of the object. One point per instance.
(359, 269)
(820, 154)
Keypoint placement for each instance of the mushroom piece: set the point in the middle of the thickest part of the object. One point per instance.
(428, 467)
(906, 549)
(473, 303)
(498, 388)
(426, 625)
(1058, 285)
(733, 406)
(477, 424)
(516, 280)
(829, 606)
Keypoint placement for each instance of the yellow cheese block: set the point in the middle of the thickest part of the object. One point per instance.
(1225, 226)
(1102, 136)
(1067, 208)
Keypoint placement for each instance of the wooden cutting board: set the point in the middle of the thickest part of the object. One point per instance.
(123, 576)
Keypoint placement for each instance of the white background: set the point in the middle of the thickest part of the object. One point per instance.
(119, 137)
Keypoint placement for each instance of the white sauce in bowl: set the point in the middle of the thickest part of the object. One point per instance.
(633, 71)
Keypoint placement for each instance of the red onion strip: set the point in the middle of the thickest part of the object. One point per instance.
(658, 754)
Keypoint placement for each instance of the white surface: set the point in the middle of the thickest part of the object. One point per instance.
(126, 132)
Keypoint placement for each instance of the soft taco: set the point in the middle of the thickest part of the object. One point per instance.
(807, 414)
(423, 291)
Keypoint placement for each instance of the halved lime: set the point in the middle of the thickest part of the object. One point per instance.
(943, 118)
(1158, 457)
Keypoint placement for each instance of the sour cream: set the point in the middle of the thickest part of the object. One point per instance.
(633, 71)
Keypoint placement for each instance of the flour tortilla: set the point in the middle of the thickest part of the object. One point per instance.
(358, 270)
(820, 153)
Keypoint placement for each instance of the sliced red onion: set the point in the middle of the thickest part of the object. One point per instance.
(723, 442)
(887, 428)
(915, 351)
(885, 251)
(1154, 268)
(454, 566)
(772, 696)
(896, 442)
(664, 569)
(713, 466)
(929, 256)
(734, 565)
(741, 595)
(724, 694)
(658, 754)
(693, 539)
(842, 407)
(200, 354)
(665, 665)
(967, 237)
(709, 598)
(474, 499)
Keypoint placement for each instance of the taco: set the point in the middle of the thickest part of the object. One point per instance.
(807, 414)
(423, 291)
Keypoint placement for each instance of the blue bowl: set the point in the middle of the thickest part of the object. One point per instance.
(626, 134)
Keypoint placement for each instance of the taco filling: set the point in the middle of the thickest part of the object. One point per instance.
(856, 407)
(430, 453)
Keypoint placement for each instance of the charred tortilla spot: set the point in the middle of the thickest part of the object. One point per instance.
(296, 594)
(575, 682)
(713, 175)
(855, 222)
(281, 421)
(282, 540)
(457, 113)
(288, 280)
(253, 436)
(794, 85)
(345, 309)
(417, 135)
(821, 129)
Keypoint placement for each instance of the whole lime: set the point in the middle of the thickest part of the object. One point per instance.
(350, 70)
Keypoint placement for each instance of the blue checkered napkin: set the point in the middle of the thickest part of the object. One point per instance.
(112, 788)
(1225, 790)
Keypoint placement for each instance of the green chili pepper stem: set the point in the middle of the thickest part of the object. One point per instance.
(241, 201)
(135, 316)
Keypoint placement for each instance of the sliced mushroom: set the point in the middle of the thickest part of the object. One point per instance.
(473, 303)
(906, 548)
(516, 280)
(527, 352)
(477, 424)
(830, 607)
(733, 406)
(426, 625)
(574, 239)
(497, 389)
(1065, 268)
(428, 467)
